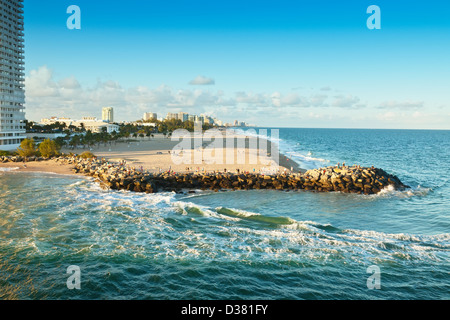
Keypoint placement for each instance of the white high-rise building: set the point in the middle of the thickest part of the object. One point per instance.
(183, 116)
(172, 116)
(149, 116)
(108, 114)
(12, 93)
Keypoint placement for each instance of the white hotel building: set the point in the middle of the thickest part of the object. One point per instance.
(89, 123)
(12, 94)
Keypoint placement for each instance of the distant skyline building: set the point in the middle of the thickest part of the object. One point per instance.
(149, 116)
(12, 73)
(183, 116)
(89, 123)
(172, 116)
(108, 114)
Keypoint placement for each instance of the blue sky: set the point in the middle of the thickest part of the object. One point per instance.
(270, 63)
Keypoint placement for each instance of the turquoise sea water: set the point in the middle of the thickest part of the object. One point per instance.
(242, 244)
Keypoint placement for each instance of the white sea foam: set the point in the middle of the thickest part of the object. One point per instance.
(390, 191)
(307, 161)
(234, 234)
(290, 149)
(9, 169)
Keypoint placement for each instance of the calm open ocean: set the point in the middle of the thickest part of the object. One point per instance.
(242, 244)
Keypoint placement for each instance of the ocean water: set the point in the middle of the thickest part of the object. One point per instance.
(244, 244)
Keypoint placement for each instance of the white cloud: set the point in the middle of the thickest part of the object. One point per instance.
(291, 99)
(47, 97)
(69, 83)
(387, 116)
(318, 100)
(401, 105)
(250, 98)
(202, 81)
(346, 101)
(40, 83)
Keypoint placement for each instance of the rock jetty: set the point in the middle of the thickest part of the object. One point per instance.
(355, 179)
(7, 159)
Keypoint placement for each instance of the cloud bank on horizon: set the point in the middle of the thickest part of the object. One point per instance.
(66, 97)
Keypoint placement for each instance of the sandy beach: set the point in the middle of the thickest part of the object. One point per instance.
(41, 166)
(162, 154)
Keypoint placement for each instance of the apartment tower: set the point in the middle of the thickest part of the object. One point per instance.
(108, 114)
(12, 73)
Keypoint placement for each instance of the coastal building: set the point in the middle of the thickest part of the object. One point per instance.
(52, 120)
(140, 123)
(183, 116)
(89, 119)
(149, 116)
(12, 94)
(208, 120)
(96, 126)
(89, 123)
(239, 124)
(108, 114)
(172, 116)
(198, 125)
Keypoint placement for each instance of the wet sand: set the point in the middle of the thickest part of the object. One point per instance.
(42, 166)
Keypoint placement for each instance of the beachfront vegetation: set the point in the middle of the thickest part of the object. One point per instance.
(76, 137)
(5, 153)
(49, 148)
(165, 126)
(27, 148)
(87, 155)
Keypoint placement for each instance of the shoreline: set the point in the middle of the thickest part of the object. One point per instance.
(118, 176)
(156, 156)
(45, 166)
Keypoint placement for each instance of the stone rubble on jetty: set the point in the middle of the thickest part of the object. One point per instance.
(116, 176)
(6, 159)
(355, 179)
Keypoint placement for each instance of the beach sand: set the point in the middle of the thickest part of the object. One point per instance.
(158, 154)
(41, 166)
(162, 154)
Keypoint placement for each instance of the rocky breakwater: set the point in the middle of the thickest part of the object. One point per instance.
(344, 179)
(353, 179)
(16, 159)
